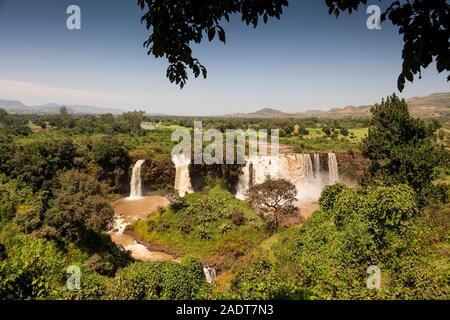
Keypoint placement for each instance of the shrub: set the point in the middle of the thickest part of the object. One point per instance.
(329, 196)
(162, 226)
(28, 218)
(160, 280)
(238, 217)
(390, 207)
(161, 209)
(185, 227)
(33, 270)
(102, 264)
(386, 208)
(151, 225)
(204, 233)
(224, 228)
(261, 280)
(346, 205)
(3, 254)
(177, 203)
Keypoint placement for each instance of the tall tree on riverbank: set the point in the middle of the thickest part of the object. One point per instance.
(274, 199)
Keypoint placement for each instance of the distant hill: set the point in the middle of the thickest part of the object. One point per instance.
(262, 113)
(51, 108)
(436, 105)
(76, 109)
(432, 106)
(13, 106)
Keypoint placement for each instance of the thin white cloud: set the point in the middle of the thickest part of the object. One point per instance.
(36, 93)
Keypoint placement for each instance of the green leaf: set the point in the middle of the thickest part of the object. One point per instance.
(222, 35)
(211, 33)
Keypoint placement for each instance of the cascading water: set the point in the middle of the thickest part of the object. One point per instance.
(136, 181)
(244, 180)
(309, 171)
(182, 178)
(138, 251)
(332, 168)
(317, 166)
(210, 274)
(303, 170)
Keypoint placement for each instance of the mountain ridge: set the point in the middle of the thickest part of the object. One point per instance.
(430, 106)
(435, 105)
(16, 106)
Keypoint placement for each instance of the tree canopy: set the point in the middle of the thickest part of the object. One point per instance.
(274, 199)
(176, 24)
(400, 147)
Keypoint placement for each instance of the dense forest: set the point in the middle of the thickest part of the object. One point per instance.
(59, 175)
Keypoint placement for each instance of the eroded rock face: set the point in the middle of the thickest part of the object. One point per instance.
(351, 165)
(158, 174)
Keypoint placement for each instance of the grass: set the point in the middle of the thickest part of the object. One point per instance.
(359, 133)
(317, 141)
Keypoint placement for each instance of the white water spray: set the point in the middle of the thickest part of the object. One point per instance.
(317, 166)
(303, 170)
(136, 181)
(333, 168)
(182, 178)
(210, 274)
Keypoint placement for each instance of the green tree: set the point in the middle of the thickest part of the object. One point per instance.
(327, 131)
(274, 199)
(133, 121)
(64, 119)
(38, 162)
(329, 196)
(385, 208)
(79, 209)
(344, 132)
(400, 147)
(160, 280)
(112, 157)
(33, 270)
(260, 279)
(3, 115)
(176, 25)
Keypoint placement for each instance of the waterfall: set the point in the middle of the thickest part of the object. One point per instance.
(136, 181)
(244, 180)
(332, 168)
(210, 274)
(309, 173)
(303, 170)
(182, 178)
(317, 166)
(257, 169)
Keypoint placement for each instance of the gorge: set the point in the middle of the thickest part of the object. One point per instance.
(309, 172)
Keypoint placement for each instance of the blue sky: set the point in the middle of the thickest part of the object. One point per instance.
(307, 60)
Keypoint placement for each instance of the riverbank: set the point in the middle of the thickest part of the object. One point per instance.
(129, 211)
